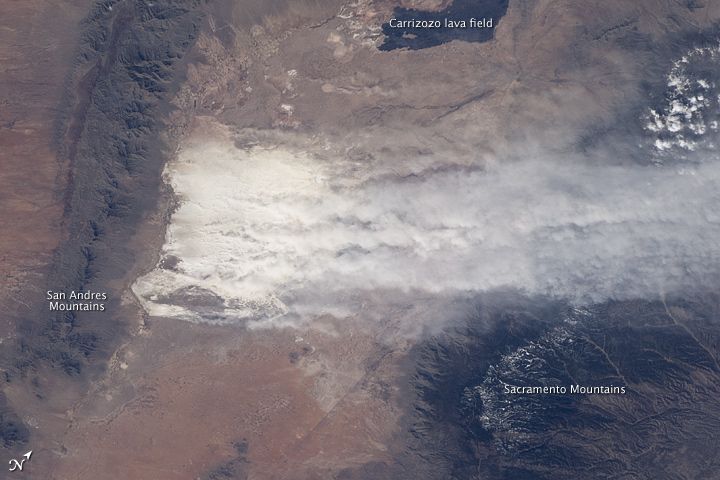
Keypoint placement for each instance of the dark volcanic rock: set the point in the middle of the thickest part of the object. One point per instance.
(418, 37)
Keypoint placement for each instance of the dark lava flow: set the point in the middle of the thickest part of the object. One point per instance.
(426, 37)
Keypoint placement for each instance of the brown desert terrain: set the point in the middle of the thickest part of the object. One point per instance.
(99, 100)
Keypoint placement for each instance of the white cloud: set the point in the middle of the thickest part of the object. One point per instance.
(683, 121)
(276, 232)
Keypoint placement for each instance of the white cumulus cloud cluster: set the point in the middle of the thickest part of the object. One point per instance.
(692, 105)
